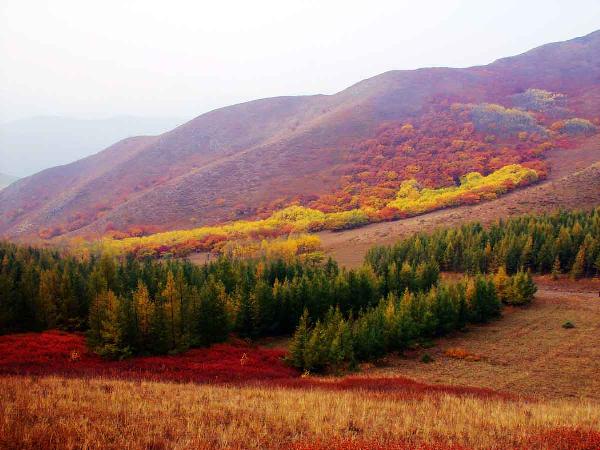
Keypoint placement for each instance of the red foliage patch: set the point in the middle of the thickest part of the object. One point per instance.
(65, 354)
(565, 439)
(555, 439)
(58, 353)
(399, 387)
(361, 444)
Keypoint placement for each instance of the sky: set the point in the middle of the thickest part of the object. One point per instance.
(95, 59)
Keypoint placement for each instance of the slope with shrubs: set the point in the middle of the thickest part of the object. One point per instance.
(334, 153)
(285, 230)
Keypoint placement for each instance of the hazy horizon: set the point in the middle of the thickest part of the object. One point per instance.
(30, 145)
(180, 60)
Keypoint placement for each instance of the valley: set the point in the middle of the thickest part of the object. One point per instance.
(410, 263)
(532, 385)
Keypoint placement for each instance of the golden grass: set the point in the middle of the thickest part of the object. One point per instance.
(40, 413)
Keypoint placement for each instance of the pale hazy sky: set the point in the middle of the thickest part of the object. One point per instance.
(97, 58)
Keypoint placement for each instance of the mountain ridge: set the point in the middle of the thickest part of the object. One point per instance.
(230, 162)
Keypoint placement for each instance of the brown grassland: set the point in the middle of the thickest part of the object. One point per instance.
(56, 413)
(547, 377)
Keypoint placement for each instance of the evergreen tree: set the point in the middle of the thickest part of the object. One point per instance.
(143, 315)
(299, 341)
(521, 289)
(578, 269)
(211, 321)
(556, 268)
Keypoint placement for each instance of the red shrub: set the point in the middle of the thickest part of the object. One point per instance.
(58, 353)
(362, 444)
(65, 354)
(399, 387)
(565, 439)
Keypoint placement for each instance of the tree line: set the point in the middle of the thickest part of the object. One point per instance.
(397, 322)
(129, 306)
(561, 243)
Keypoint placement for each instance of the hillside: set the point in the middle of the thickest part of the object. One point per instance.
(574, 181)
(333, 153)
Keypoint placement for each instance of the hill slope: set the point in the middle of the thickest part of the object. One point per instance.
(574, 182)
(245, 160)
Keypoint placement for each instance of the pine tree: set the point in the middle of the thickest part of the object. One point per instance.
(527, 254)
(49, 297)
(578, 268)
(299, 341)
(521, 289)
(316, 349)
(159, 329)
(341, 348)
(171, 302)
(556, 269)
(211, 321)
(108, 337)
(143, 313)
(263, 309)
(501, 282)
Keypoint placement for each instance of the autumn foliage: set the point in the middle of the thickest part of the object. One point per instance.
(60, 353)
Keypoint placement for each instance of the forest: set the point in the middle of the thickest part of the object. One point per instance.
(567, 242)
(338, 317)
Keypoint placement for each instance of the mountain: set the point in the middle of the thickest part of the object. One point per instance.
(5, 180)
(30, 145)
(332, 152)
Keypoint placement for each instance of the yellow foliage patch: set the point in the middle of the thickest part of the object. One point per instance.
(281, 234)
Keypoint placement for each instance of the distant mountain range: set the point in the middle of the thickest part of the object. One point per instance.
(30, 145)
(347, 150)
(5, 180)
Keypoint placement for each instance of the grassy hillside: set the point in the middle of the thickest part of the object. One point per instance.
(234, 238)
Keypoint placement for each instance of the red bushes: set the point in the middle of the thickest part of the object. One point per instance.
(398, 387)
(53, 352)
(565, 439)
(65, 354)
(57, 353)
(362, 444)
(440, 146)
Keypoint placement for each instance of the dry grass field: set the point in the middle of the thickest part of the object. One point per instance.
(547, 377)
(58, 413)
